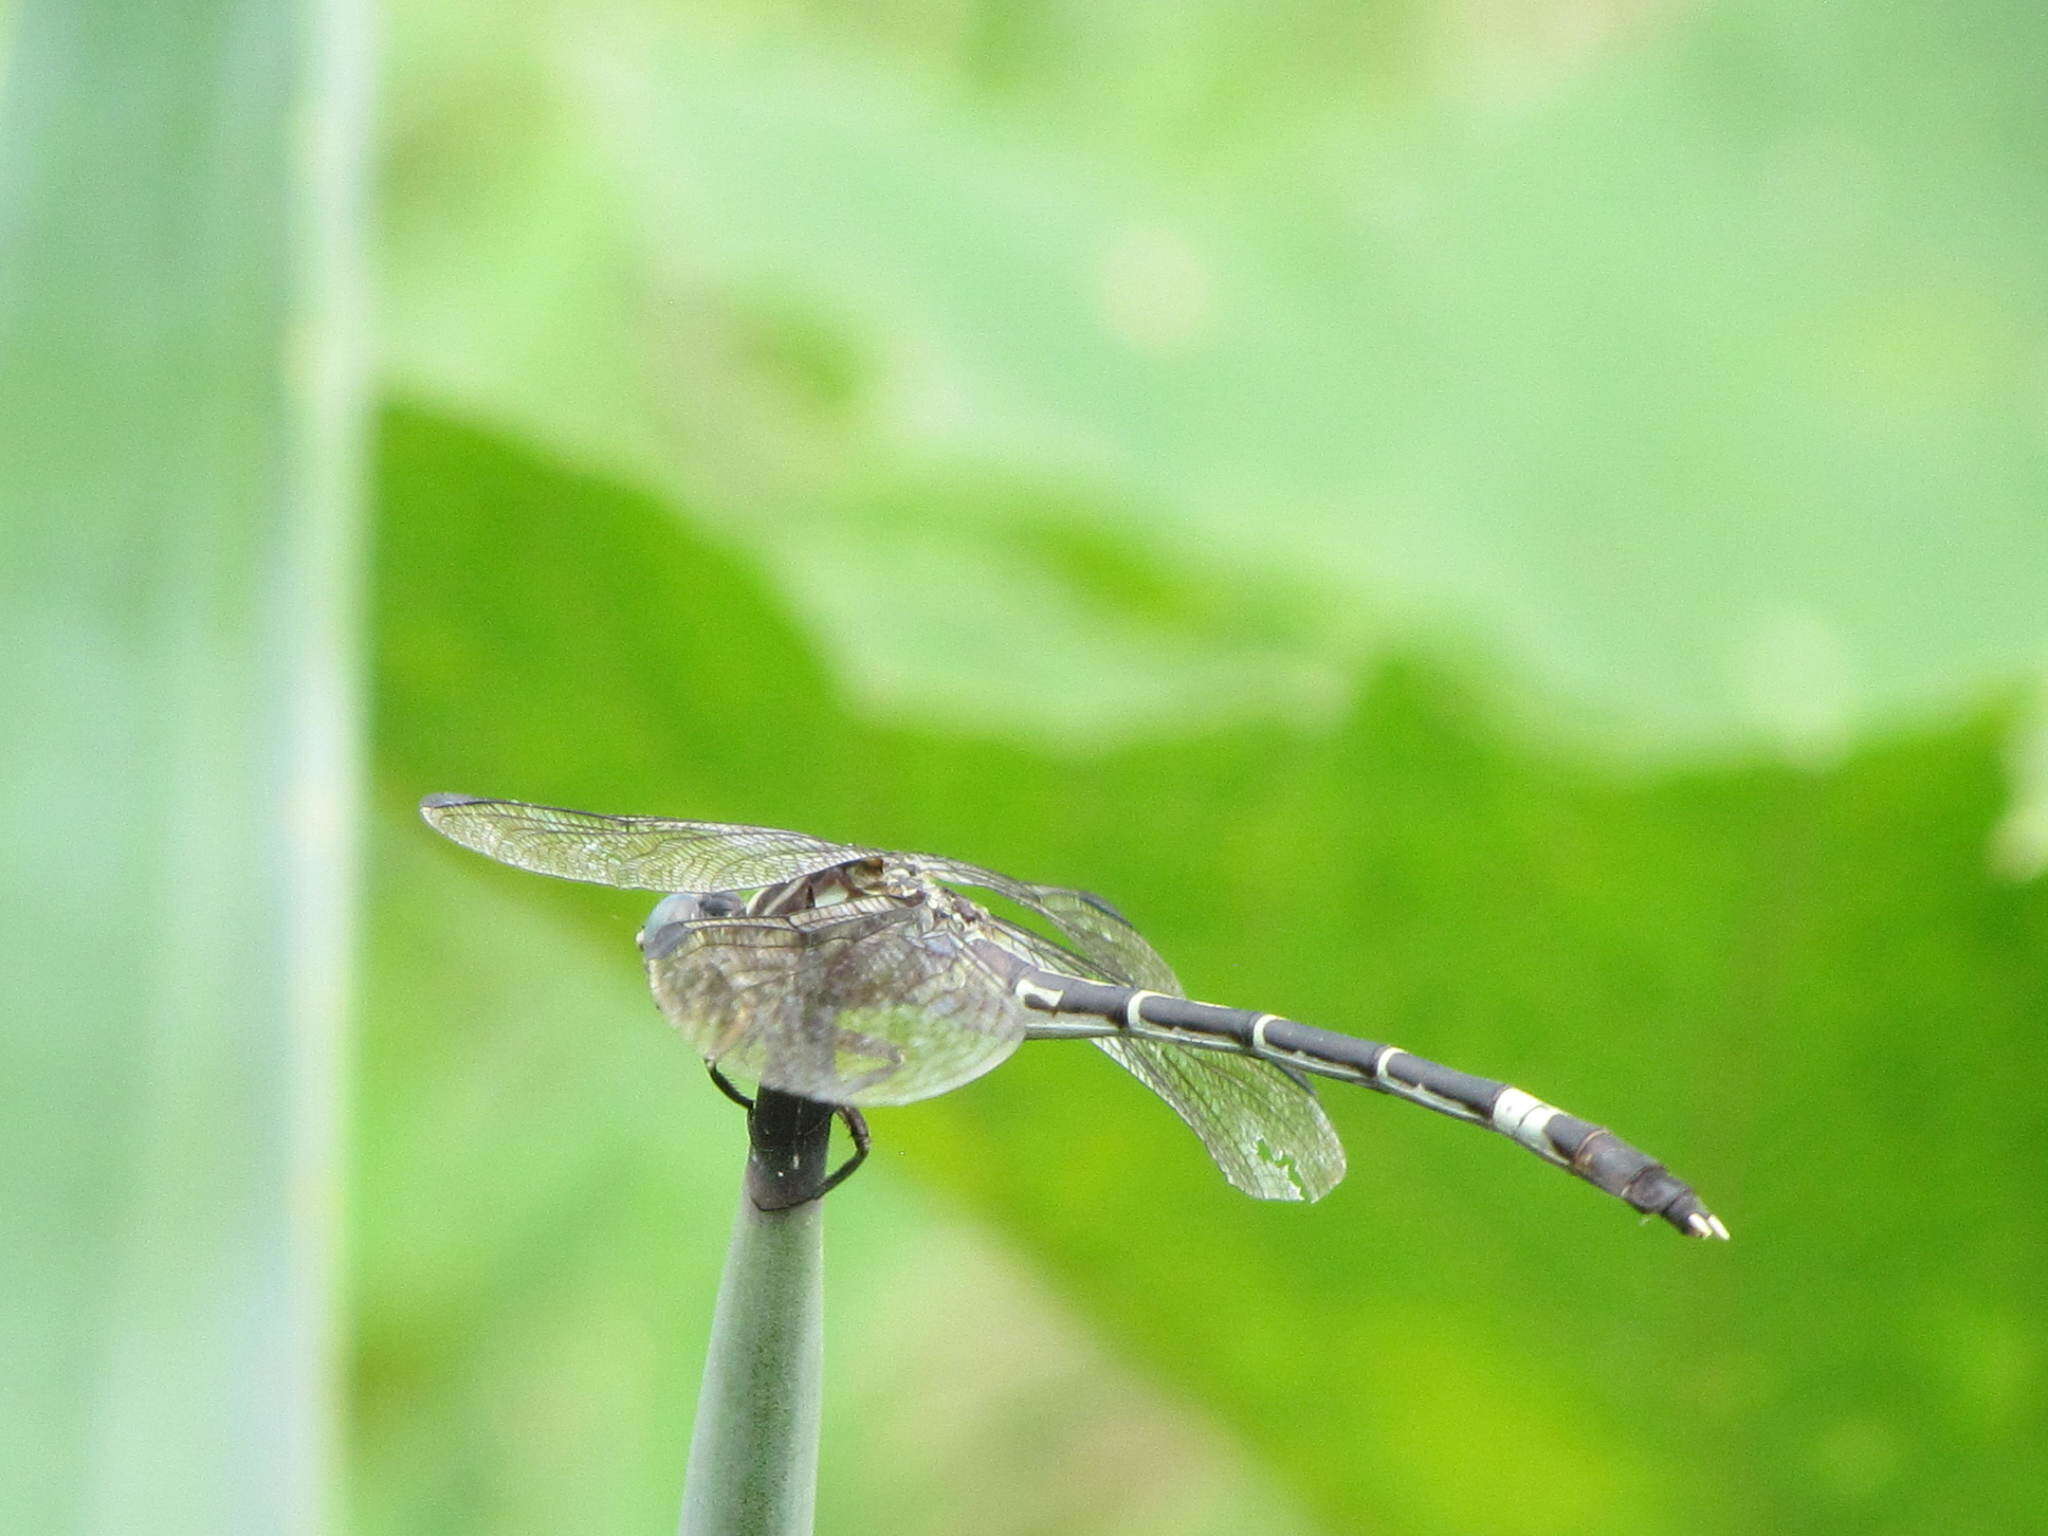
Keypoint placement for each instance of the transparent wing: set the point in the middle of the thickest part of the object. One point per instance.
(866, 1002)
(1264, 1129)
(642, 852)
(1095, 929)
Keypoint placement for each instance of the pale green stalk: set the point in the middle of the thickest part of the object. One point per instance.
(754, 1453)
(180, 423)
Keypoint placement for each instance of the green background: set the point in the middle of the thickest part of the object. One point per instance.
(1515, 530)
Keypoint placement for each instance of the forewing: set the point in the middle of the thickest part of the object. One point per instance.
(1265, 1131)
(649, 853)
(865, 1002)
(1095, 929)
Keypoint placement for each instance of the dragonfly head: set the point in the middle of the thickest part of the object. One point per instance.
(672, 915)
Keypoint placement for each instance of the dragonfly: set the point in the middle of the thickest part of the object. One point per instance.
(855, 976)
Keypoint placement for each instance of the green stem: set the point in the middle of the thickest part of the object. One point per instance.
(754, 1453)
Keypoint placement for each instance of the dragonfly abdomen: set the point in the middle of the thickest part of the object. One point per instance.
(1590, 1151)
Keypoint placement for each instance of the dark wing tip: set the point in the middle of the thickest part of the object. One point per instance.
(442, 802)
(1103, 905)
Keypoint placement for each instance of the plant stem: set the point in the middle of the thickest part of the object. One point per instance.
(754, 1453)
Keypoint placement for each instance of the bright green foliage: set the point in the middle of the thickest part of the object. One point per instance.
(1802, 988)
(1685, 356)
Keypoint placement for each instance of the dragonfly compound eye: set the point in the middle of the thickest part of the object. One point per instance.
(669, 921)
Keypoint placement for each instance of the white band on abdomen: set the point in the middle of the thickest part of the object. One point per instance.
(1029, 992)
(1524, 1117)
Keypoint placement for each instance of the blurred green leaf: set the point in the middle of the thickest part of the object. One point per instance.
(1802, 988)
(1686, 361)
(178, 466)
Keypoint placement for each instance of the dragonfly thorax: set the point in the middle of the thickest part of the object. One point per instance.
(889, 878)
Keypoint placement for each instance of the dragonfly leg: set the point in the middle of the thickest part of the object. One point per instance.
(725, 1086)
(857, 1128)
